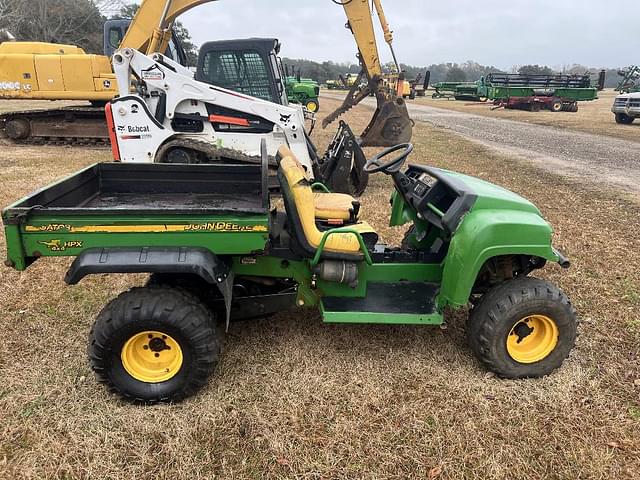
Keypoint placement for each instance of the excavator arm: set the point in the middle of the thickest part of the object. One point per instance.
(390, 124)
(150, 30)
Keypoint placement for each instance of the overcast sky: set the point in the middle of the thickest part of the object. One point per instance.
(502, 33)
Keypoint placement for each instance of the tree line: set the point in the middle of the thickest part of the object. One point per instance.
(74, 22)
(80, 22)
(469, 71)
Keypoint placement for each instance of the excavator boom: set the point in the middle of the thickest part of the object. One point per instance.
(390, 124)
(150, 30)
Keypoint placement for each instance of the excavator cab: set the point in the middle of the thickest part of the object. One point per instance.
(115, 30)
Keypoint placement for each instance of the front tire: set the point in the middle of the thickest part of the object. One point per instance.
(522, 328)
(153, 345)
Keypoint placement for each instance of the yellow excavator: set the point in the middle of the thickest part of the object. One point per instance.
(46, 71)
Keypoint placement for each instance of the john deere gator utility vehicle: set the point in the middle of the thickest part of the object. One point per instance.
(218, 249)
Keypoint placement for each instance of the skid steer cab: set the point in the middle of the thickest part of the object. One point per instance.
(218, 248)
(173, 118)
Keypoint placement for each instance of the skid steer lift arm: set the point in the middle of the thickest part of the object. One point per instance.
(390, 124)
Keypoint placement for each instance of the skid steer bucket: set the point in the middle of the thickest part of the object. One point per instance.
(390, 124)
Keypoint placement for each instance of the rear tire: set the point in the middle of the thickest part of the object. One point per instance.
(312, 105)
(522, 328)
(153, 345)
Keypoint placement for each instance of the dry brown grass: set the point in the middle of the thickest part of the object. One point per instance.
(592, 117)
(294, 398)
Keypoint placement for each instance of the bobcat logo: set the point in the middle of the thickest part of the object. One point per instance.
(285, 118)
(121, 128)
(153, 73)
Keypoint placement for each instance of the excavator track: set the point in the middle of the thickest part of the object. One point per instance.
(77, 126)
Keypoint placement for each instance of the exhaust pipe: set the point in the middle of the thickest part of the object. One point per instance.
(563, 261)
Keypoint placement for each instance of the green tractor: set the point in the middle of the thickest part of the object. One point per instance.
(219, 248)
(304, 91)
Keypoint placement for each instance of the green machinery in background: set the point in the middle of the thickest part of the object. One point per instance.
(467, 91)
(532, 92)
(630, 82)
(304, 91)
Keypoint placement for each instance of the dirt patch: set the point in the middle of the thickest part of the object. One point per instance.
(584, 156)
(294, 398)
(592, 117)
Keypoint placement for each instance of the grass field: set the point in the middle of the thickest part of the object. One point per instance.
(592, 117)
(293, 398)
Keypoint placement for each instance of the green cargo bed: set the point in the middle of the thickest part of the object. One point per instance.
(142, 205)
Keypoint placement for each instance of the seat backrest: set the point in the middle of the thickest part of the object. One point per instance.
(300, 206)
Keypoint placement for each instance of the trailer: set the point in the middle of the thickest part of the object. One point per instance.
(557, 93)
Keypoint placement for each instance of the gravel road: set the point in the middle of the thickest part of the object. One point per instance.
(579, 155)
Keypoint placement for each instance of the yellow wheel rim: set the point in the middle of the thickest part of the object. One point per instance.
(151, 357)
(312, 107)
(532, 339)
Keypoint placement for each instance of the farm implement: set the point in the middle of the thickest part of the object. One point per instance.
(466, 91)
(219, 248)
(630, 82)
(558, 93)
(527, 92)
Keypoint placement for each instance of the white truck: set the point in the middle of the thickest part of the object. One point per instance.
(626, 108)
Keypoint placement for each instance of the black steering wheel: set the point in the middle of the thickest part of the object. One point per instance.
(390, 167)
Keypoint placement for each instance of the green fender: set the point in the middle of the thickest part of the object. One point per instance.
(485, 234)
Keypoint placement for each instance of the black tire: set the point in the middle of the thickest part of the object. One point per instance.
(312, 104)
(172, 312)
(556, 106)
(495, 317)
(624, 119)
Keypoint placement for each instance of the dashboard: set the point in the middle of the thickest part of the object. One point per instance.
(440, 199)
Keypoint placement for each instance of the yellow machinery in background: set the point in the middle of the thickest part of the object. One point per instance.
(46, 71)
(49, 71)
(391, 118)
